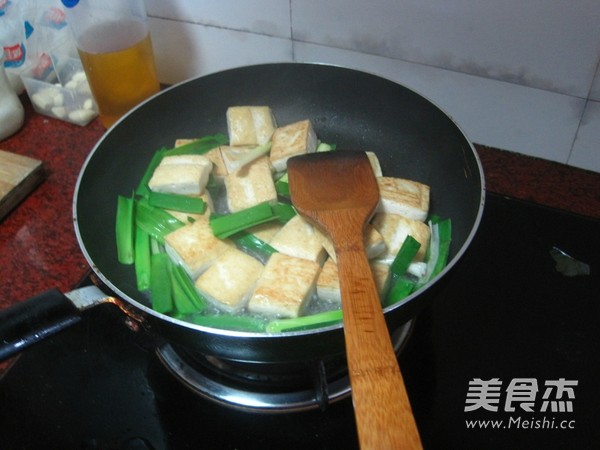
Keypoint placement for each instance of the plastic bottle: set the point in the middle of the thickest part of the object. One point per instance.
(113, 41)
(11, 109)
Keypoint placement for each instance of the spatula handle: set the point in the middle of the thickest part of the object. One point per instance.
(383, 413)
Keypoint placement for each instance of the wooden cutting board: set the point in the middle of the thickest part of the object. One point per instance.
(19, 175)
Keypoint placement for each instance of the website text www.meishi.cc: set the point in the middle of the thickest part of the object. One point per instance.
(522, 400)
(521, 423)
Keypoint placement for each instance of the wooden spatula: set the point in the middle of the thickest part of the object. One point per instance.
(338, 192)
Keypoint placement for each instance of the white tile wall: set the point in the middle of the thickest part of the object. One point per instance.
(515, 75)
(269, 17)
(494, 113)
(535, 43)
(185, 50)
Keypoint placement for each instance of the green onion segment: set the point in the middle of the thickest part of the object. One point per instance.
(142, 259)
(160, 283)
(226, 225)
(305, 322)
(404, 257)
(176, 202)
(155, 221)
(188, 289)
(253, 245)
(125, 230)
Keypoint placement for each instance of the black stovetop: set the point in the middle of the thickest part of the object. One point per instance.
(505, 318)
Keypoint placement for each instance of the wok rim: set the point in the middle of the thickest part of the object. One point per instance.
(262, 335)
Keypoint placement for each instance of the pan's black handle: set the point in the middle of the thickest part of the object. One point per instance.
(34, 319)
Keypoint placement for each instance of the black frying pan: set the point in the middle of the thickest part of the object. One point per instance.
(411, 136)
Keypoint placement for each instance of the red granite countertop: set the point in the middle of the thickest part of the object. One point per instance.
(39, 249)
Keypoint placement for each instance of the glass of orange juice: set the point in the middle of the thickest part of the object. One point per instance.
(113, 41)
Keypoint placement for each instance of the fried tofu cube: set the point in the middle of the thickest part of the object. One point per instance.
(232, 156)
(181, 174)
(219, 170)
(251, 185)
(195, 247)
(266, 231)
(284, 287)
(300, 239)
(374, 242)
(328, 283)
(264, 123)
(230, 280)
(250, 125)
(395, 228)
(375, 164)
(381, 275)
(294, 139)
(404, 197)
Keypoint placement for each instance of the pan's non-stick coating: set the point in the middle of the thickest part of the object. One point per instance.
(354, 110)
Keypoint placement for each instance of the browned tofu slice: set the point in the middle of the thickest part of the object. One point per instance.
(219, 170)
(404, 197)
(195, 247)
(375, 164)
(250, 125)
(229, 281)
(231, 156)
(181, 174)
(300, 239)
(328, 283)
(251, 185)
(291, 140)
(395, 228)
(284, 287)
(266, 231)
(374, 243)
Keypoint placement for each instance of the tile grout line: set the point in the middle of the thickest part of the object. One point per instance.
(292, 31)
(585, 106)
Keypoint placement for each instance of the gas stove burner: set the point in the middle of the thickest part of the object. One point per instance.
(266, 387)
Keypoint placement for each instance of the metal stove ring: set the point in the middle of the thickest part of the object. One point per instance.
(325, 392)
